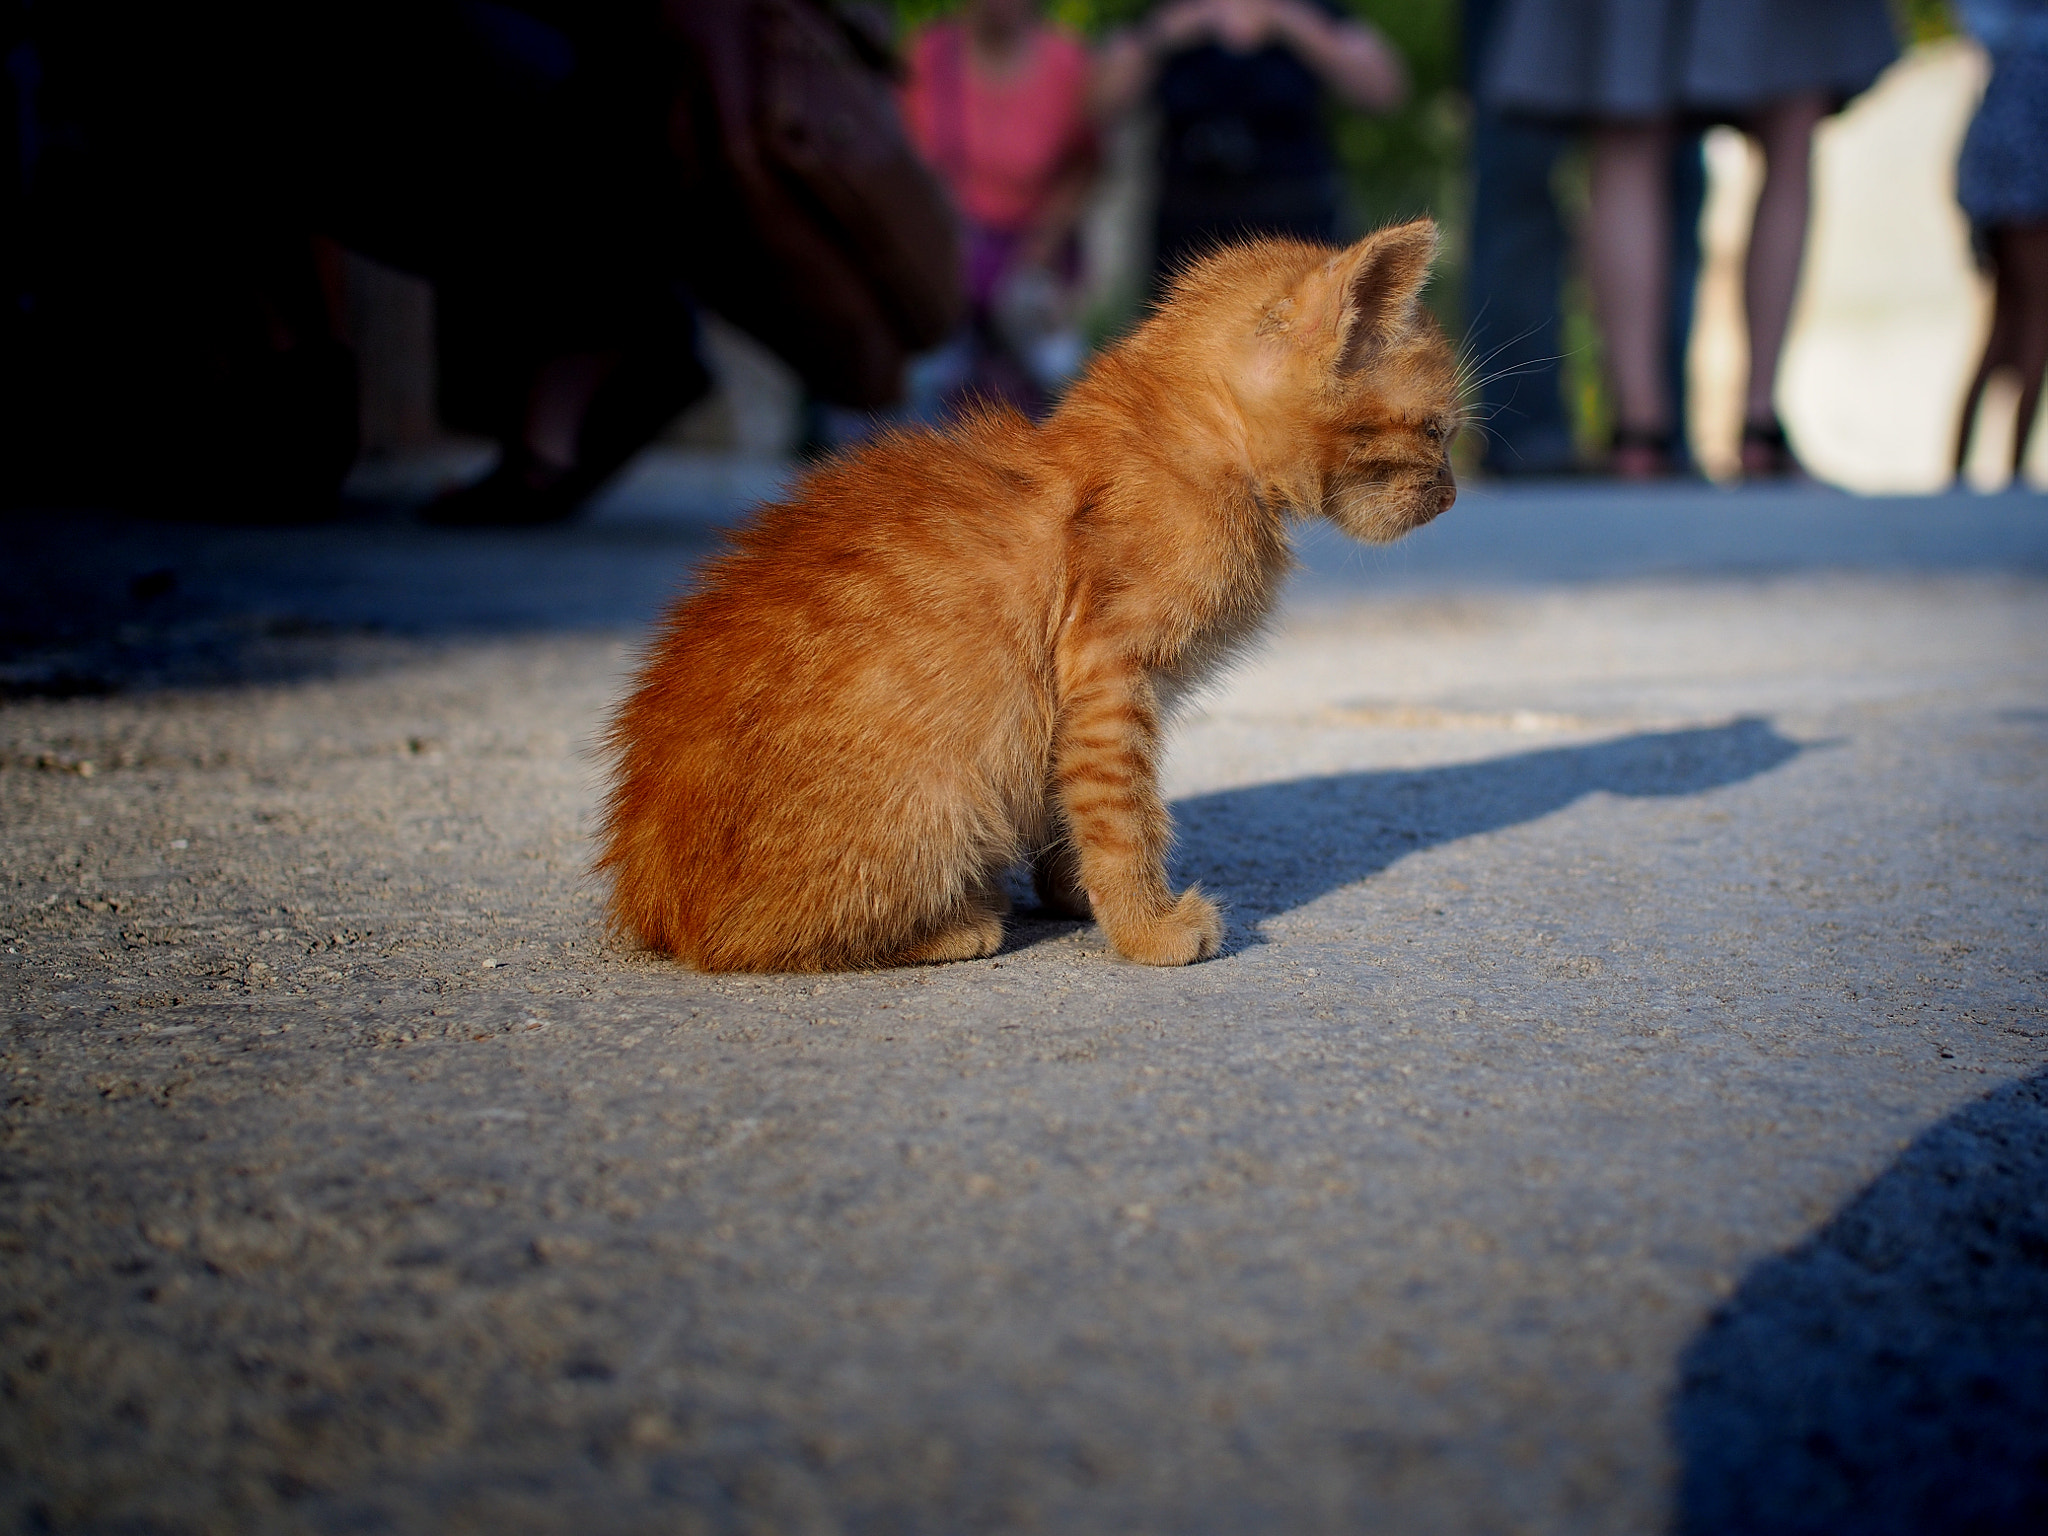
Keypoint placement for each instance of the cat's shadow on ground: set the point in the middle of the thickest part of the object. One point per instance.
(1270, 848)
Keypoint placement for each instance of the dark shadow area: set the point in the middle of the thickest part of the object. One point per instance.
(102, 602)
(1273, 847)
(1889, 1375)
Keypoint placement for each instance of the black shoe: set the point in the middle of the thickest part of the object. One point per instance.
(522, 492)
(644, 393)
(1766, 455)
(1642, 453)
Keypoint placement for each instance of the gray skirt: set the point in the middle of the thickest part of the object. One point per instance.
(2002, 177)
(1708, 60)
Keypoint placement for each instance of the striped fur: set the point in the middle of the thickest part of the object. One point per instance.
(952, 651)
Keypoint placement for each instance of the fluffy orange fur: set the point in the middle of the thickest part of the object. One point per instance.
(954, 650)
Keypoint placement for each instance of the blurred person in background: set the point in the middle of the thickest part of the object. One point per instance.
(1519, 255)
(997, 102)
(575, 177)
(1632, 72)
(578, 178)
(1245, 147)
(2002, 183)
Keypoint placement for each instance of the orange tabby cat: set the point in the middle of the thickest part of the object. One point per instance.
(954, 650)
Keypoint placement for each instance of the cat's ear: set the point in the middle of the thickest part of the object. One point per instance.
(1382, 280)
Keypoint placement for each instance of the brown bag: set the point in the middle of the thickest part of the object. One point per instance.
(823, 234)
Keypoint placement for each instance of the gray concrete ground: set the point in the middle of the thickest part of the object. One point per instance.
(1622, 1104)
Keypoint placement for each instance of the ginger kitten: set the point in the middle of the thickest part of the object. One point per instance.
(953, 650)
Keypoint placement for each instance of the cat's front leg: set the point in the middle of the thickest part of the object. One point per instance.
(1117, 827)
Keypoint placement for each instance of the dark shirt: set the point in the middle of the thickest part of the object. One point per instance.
(1237, 116)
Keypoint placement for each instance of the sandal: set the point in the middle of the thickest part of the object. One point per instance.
(642, 395)
(1641, 453)
(1766, 454)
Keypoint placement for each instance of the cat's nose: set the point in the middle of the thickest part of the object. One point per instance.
(1440, 496)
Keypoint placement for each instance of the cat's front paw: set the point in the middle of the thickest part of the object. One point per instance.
(1189, 930)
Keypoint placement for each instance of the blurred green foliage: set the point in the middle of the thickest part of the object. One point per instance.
(1922, 21)
(1411, 161)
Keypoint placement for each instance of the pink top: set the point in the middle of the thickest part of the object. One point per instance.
(998, 143)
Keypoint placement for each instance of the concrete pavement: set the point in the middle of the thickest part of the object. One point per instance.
(1622, 1104)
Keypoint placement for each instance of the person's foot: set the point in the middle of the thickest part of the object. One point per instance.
(638, 394)
(1641, 453)
(522, 492)
(1766, 454)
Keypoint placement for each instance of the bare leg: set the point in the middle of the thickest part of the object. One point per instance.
(559, 400)
(1777, 246)
(1628, 261)
(1998, 353)
(2023, 253)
